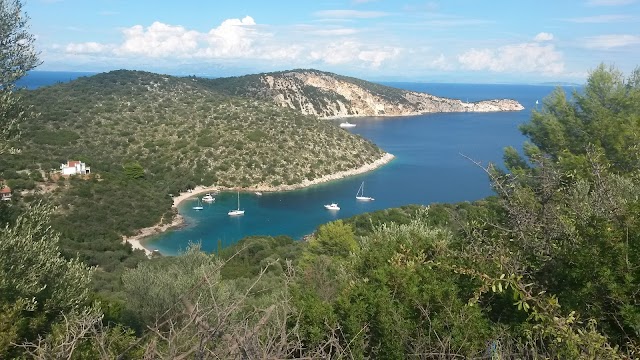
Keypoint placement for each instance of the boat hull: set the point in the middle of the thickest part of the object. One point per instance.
(235, 212)
(364, 198)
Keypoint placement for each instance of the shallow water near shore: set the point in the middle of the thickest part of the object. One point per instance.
(428, 168)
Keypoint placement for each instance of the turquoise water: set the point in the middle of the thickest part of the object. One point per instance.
(428, 168)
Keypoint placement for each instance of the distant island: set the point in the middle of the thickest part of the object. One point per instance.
(559, 83)
(329, 95)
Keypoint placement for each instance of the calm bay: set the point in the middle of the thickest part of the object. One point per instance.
(428, 168)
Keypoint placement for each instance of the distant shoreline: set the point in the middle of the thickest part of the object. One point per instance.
(413, 113)
(137, 240)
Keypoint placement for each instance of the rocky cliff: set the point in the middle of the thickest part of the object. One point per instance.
(329, 95)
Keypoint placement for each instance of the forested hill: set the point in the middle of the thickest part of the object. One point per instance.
(146, 136)
(330, 95)
(183, 132)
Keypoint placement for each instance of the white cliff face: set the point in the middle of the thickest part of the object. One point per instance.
(323, 95)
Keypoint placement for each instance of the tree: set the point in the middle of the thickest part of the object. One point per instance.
(37, 285)
(17, 57)
(604, 115)
(133, 170)
(570, 223)
(334, 238)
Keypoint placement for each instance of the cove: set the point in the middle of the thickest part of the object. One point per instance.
(428, 168)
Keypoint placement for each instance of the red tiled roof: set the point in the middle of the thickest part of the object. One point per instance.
(5, 190)
(72, 163)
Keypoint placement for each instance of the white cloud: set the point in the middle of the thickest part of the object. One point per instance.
(334, 32)
(543, 36)
(86, 48)
(233, 38)
(441, 63)
(159, 40)
(240, 39)
(606, 42)
(609, 2)
(601, 19)
(350, 14)
(525, 57)
(350, 51)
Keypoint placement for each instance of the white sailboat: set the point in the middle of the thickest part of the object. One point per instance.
(199, 206)
(360, 194)
(347, 124)
(238, 211)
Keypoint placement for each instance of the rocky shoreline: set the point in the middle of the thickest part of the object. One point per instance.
(348, 98)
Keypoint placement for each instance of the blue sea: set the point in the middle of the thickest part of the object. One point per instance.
(431, 166)
(36, 79)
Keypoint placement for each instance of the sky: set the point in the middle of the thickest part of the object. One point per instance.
(460, 41)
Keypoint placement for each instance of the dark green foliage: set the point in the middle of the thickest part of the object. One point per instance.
(389, 299)
(250, 255)
(37, 286)
(59, 137)
(605, 115)
(333, 239)
(133, 170)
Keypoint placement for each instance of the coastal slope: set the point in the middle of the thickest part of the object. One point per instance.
(185, 133)
(329, 95)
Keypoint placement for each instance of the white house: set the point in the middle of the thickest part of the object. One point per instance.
(75, 168)
(5, 193)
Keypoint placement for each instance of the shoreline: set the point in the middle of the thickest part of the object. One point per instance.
(136, 240)
(482, 106)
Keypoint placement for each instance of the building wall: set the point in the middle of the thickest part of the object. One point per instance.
(68, 171)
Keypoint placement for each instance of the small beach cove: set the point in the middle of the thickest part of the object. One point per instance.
(139, 240)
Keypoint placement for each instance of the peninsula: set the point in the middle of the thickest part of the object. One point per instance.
(329, 95)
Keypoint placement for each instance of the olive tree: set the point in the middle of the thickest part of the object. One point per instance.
(17, 57)
(37, 285)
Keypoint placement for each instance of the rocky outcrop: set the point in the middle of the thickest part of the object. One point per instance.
(328, 95)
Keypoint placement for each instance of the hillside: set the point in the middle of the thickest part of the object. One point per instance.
(176, 128)
(330, 95)
(146, 136)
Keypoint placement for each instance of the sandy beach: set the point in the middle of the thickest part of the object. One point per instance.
(178, 220)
